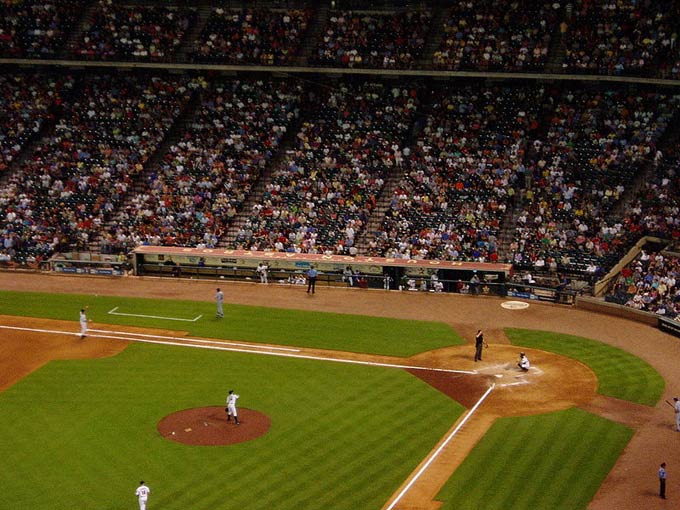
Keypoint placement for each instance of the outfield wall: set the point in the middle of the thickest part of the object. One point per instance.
(601, 306)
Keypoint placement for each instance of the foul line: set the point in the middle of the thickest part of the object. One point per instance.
(114, 312)
(439, 450)
(225, 346)
(197, 340)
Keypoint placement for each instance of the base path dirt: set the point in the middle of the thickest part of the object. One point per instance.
(560, 383)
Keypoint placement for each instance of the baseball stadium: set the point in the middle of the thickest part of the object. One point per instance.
(339, 255)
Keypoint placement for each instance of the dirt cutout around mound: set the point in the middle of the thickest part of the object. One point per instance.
(208, 426)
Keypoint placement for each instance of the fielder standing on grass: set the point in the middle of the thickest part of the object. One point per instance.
(83, 322)
(219, 299)
(231, 406)
(142, 494)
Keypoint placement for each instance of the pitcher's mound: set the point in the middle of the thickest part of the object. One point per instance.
(208, 426)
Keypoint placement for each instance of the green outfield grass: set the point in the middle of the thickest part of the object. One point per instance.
(82, 433)
(345, 332)
(619, 374)
(546, 462)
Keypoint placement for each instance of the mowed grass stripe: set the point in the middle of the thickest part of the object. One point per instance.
(543, 462)
(356, 333)
(334, 441)
(619, 373)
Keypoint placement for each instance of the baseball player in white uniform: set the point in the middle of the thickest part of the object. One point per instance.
(142, 494)
(219, 299)
(263, 270)
(676, 406)
(83, 322)
(231, 406)
(523, 363)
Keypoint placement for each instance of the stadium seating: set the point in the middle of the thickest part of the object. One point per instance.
(492, 35)
(325, 187)
(204, 178)
(252, 36)
(36, 29)
(63, 195)
(128, 32)
(370, 39)
(451, 201)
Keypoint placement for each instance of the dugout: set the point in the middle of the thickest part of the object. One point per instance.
(290, 268)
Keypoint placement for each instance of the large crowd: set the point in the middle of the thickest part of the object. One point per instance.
(203, 180)
(124, 32)
(62, 196)
(26, 102)
(492, 35)
(620, 37)
(596, 144)
(550, 164)
(461, 177)
(325, 187)
(362, 39)
(610, 37)
(252, 36)
(36, 28)
(650, 283)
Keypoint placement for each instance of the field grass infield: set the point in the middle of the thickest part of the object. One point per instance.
(82, 433)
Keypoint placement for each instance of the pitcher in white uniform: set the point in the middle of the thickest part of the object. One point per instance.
(231, 406)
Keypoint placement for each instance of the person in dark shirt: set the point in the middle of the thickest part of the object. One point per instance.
(311, 280)
(479, 345)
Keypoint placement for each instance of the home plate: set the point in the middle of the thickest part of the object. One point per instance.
(514, 305)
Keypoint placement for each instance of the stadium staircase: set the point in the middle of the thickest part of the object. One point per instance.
(314, 32)
(191, 38)
(434, 37)
(670, 138)
(287, 142)
(377, 217)
(76, 34)
(557, 51)
(507, 233)
(378, 212)
(153, 163)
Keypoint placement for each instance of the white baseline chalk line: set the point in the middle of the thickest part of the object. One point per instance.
(518, 383)
(114, 312)
(436, 453)
(196, 340)
(222, 346)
